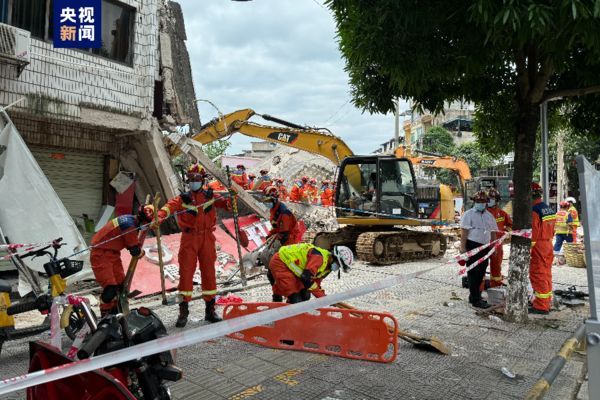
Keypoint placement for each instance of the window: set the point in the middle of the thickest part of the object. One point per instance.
(35, 16)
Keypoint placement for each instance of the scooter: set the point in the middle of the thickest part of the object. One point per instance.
(76, 312)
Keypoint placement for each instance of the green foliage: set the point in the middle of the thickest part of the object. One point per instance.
(216, 148)
(474, 156)
(438, 140)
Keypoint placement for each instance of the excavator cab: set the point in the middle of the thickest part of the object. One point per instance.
(376, 189)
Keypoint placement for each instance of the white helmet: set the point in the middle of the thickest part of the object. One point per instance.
(344, 257)
(571, 200)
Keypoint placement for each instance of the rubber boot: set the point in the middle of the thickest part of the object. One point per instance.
(294, 298)
(210, 313)
(184, 312)
(277, 298)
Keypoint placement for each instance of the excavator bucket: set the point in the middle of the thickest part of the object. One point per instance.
(360, 335)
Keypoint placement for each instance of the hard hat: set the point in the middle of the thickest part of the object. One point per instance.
(280, 180)
(480, 197)
(264, 172)
(536, 189)
(304, 178)
(240, 166)
(571, 200)
(271, 191)
(493, 193)
(564, 203)
(196, 171)
(313, 181)
(251, 175)
(146, 213)
(344, 257)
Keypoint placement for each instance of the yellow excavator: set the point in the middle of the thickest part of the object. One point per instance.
(376, 195)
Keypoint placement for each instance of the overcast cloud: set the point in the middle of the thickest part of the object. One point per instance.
(278, 57)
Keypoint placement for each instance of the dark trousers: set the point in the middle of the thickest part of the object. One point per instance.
(475, 276)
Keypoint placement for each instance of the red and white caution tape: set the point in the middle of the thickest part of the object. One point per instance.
(463, 257)
(195, 335)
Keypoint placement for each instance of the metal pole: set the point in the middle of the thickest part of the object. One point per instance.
(544, 173)
(397, 123)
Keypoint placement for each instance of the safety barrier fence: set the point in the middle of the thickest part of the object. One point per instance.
(195, 335)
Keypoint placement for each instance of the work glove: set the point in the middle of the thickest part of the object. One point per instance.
(306, 279)
(186, 197)
(135, 251)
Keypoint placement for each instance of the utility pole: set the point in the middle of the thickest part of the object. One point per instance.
(560, 167)
(397, 121)
(544, 173)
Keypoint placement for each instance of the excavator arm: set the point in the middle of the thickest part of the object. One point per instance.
(460, 167)
(307, 139)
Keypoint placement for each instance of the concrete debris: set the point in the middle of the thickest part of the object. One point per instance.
(315, 218)
(291, 164)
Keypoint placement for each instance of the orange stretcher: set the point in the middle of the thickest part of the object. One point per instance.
(357, 334)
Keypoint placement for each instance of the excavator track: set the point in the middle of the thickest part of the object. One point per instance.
(383, 248)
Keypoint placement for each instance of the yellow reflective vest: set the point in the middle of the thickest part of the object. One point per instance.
(574, 215)
(295, 256)
(561, 226)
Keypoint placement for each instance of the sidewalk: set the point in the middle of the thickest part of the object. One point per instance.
(229, 369)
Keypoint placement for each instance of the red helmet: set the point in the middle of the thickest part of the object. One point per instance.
(480, 197)
(271, 191)
(304, 179)
(146, 213)
(312, 181)
(251, 175)
(240, 166)
(565, 204)
(196, 171)
(493, 193)
(264, 172)
(536, 189)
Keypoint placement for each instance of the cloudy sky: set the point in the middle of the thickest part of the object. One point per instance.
(278, 57)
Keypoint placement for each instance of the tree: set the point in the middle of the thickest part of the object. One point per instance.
(216, 148)
(474, 156)
(507, 57)
(438, 140)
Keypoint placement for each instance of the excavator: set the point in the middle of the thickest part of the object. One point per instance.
(376, 196)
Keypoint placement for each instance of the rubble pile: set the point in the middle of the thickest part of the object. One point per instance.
(291, 164)
(316, 218)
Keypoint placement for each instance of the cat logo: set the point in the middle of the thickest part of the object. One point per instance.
(284, 137)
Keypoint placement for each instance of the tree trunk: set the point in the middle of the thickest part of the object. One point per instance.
(518, 274)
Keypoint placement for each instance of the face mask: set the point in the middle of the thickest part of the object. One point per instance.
(491, 203)
(195, 186)
(479, 207)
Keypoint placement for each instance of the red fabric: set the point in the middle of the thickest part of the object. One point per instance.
(107, 267)
(124, 201)
(542, 255)
(504, 223)
(197, 242)
(310, 194)
(285, 223)
(261, 184)
(327, 197)
(502, 218)
(286, 283)
(216, 185)
(283, 194)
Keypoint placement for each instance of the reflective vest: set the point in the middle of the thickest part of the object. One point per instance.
(295, 256)
(574, 215)
(561, 226)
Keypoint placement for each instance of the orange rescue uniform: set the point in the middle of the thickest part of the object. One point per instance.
(286, 283)
(197, 240)
(575, 216)
(327, 196)
(297, 191)
(106, 257)
(505, 225)
(310, 194)
(239, 176)
(542, 255)
(284, 225)
(262, 182)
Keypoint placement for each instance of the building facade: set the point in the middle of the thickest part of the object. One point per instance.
(87, 114)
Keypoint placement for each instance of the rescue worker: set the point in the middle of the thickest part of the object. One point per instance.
(540, 269)
(298, 187)
(563, 227)
(263, 181)
(214, 184)
(283, 195)
(251, 179)
(574, 215)
(105, 256)
(326, 194)
(239, 176)
(311, 192)
(283, 222)
(478, 227)
(197, 241)
(296, 271)
(504, 225)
